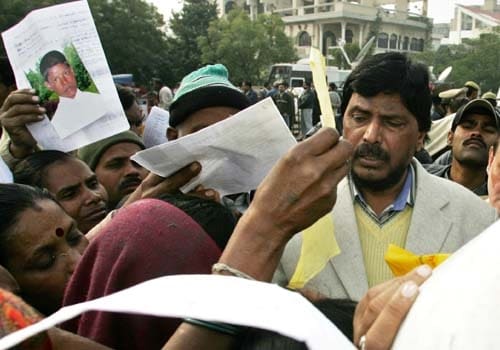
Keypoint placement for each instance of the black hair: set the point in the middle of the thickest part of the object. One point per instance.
(246, 83)
(32, 169)
(6, 73)
(393, 72)
(152, 94)
(126, 95)
(332, 86)
(14, 200)
(50, 59)
(493, 101)
(339, 311)
(470, 91)
(215, 219)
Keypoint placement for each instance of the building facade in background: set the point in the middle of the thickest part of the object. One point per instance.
(325, 23)
(472, 21)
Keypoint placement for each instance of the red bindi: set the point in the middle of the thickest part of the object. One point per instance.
(59, 232)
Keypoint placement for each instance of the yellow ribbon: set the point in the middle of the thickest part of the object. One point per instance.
(318, 246)
(401, 261)
(318, 241)
(318, 69)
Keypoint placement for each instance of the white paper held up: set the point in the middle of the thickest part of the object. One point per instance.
(155, 128)
(235, 154)
(81, 113)
(213, 298)
(459, 306)
(5, 173)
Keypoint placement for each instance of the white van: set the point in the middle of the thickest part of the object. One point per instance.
(295, 74)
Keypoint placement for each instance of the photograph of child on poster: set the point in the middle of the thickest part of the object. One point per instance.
(66, 90)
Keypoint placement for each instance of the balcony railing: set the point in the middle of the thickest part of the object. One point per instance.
(351, 8)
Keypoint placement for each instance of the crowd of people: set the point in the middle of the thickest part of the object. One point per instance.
(81, 225)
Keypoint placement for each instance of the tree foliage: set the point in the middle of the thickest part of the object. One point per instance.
(246, 47)
(132, 36)
(352, 50)
(187, 27)
(83, 78)
(475, 59)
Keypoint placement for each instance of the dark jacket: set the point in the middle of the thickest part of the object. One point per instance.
(444, 172)
(285, 104)
(252, 96)
(306, 100)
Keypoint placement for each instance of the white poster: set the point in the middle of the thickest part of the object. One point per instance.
(155, 129)
(57, 51)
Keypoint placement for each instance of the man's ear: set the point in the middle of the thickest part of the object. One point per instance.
(491, 158)
(450, 138)
(421, 140)
(171, 134)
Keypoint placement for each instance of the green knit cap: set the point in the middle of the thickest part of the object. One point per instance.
(206, 87)
(489, 95)
(92, 153)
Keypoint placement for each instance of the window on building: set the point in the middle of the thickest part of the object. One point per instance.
(481, 24)
(393, 42)
(414, 44)
(420, 44)
(466, 22)
(230, 5)
(406, 41)
(348, 36)
(308, 6)
(304, 39)
(329, 39)
(383, 40)
(260, 7)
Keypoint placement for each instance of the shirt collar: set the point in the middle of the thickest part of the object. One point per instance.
(78, 94)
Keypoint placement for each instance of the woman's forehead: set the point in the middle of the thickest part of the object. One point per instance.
(38, 226)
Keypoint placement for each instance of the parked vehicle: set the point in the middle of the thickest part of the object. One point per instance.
(296, 73)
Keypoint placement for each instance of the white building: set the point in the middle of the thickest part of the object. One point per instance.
(321, 23)
(471, 21)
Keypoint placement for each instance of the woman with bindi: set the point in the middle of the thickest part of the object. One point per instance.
(40, 244)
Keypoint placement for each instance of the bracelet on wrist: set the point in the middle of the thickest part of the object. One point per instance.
(221, 267)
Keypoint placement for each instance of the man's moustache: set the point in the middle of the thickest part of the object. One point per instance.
(475, 140)
(130, 181)
(373, 151)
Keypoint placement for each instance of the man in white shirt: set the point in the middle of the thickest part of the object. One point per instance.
(76, 109)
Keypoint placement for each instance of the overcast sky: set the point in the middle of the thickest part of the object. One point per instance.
(440, 10)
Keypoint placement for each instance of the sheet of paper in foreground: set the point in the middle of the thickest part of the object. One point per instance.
(459, 306)
(235, 154)
(214, 298)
